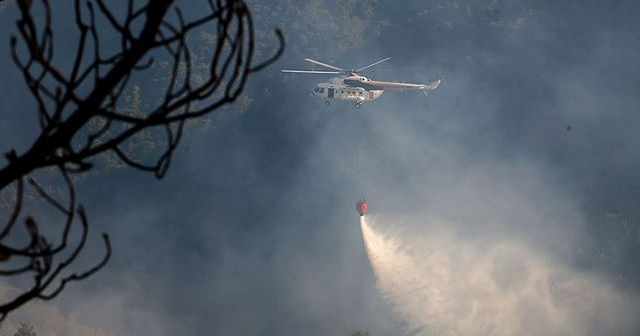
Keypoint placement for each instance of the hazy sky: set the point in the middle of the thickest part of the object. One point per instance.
(531, 141)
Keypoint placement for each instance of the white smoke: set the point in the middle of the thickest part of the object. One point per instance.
(443, 283)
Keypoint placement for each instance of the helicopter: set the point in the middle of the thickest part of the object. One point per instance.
(352, 86)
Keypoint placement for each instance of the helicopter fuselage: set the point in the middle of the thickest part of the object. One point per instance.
(338, 88)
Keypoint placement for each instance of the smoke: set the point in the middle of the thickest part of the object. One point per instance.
(443, 283)
(248, 232)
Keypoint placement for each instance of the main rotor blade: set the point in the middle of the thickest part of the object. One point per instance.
(372, 64)
(324, 64)
(312, 71)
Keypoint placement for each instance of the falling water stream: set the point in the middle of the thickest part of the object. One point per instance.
(442, 283)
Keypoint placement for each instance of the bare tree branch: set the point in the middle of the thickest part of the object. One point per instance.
(82, 114)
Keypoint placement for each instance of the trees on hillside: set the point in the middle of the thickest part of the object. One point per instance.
(79, 99)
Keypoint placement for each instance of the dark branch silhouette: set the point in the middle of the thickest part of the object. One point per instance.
(82, 114)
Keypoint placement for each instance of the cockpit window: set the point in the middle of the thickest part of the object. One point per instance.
(316, 89)
(321, 90)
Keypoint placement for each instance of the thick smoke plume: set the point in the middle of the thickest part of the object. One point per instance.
(443, 283)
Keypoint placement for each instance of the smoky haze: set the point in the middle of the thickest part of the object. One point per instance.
(509, 193)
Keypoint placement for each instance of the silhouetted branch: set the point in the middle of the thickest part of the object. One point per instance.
(37, 258)
(82, 114)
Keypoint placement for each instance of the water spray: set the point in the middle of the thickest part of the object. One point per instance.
(441, 283)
